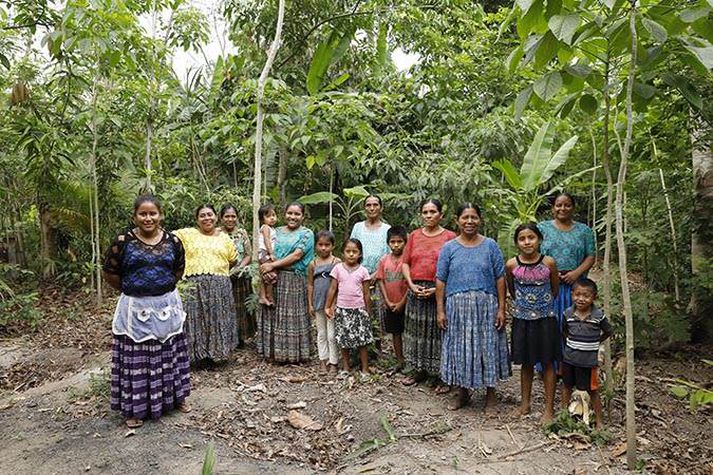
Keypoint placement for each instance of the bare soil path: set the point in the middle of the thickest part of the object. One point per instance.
(55, 419)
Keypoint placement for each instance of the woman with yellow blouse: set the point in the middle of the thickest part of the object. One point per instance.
(211, 326)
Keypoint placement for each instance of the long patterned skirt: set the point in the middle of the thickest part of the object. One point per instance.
(211, 327)
(284, 330)
(475, 353)
(422, 337)
(246, 319)
(149, 379)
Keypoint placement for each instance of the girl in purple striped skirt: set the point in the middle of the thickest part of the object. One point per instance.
(149, 357)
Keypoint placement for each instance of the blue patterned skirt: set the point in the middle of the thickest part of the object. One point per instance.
(475, 353)
(149, 378)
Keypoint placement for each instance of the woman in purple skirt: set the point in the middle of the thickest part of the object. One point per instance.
(149, 357)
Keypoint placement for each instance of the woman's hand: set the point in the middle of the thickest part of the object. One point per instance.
(416, 289)
(266, 267)
(570, 277)
(312, 313)
(427, 293)
(442, 320)
(329, 311)
(500, 319)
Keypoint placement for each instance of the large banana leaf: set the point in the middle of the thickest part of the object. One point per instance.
(539, 163)
(327, 52)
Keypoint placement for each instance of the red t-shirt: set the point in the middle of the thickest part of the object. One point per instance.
(389, 270)
(421, 253)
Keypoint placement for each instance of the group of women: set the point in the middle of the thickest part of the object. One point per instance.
(455, 311)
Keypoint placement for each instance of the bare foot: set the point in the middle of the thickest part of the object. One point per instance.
(490, 401)
(134, 423)
(546, 417)
(522, 410)
(442, 389)
(184, 407)
(461, 400)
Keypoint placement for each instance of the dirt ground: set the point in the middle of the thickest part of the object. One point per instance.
(55, 417)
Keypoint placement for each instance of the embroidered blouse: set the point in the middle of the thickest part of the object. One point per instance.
(207, 254)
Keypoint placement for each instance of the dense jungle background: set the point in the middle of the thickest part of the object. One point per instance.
(496, 102)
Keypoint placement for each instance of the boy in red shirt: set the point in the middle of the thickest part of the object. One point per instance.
(393, 288)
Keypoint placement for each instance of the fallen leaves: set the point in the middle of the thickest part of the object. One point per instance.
(303, 421)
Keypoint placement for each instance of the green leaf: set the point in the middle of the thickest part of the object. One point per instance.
(679, 391)
(564, 26)
(310, 161)
(548, 86)
(509, 172)
(558, 159)
(546, 50)
(524, 5)
(704, 55)
(318, 198)
(327, 52)
(532, 21)
(579, 70)
(523, 98)
(209, 461)
(657, 31)
(514, 59)
(537, 155)
(692, 14)
(588, 104)
(684, 86)
(567, 104)
(645, 91)
(5, 62)
(358, 192)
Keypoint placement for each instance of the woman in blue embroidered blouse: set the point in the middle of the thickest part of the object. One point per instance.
(284, 329)
(571, 245)
(470, 300)
(149, 358)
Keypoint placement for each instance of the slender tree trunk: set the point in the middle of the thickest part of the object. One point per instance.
(96, 244)
(257, 171)
(700, 307)
(282, 175)
(621, 245)
(147, 155)
(606, 266)
(674, 238)
(331, 199)
(47, 238)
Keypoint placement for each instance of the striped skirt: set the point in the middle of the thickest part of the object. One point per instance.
(211, 327)
(246, 320)
(149, 378)
(422, 337)
(475, 353)
(284, 330)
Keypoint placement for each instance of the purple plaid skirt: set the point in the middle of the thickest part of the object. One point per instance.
(149, 378)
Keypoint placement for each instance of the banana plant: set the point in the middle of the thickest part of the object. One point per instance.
(527, 185)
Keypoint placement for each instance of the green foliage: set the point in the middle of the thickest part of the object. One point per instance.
(563, 425)
(208, 467)
(699, 397)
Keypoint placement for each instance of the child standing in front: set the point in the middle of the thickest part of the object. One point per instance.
(350, 290)
(533, 282)
(266, 250)
(584, 327)
(318, 283)
(394, 287)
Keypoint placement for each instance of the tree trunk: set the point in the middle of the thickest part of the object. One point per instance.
(621, 245)
(96, 244)
(282, 175)
(700, 307)
(606, 266)
(257, 170)
(147, 156)
(48, 245)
